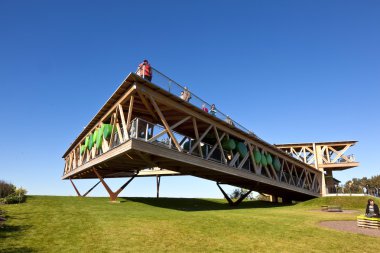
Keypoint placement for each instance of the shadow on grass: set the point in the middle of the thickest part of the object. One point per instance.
(191, 205)
(12, 231)
(17, 250)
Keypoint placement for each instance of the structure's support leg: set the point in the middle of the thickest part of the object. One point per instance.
(113, 195)
(242, 197)
(158, 181)
(84, 195)
(75, 188)
(230, 202)
(273, 198)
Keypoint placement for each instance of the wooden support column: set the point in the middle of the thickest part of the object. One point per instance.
(158, 181)
(273, 198)
(113, 195)
(317, 161)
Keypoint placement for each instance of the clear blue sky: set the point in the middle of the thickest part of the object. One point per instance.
(291, 71)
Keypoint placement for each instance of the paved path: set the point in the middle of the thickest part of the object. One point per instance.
(350, 226)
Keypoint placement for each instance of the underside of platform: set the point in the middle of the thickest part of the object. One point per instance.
(133, 156)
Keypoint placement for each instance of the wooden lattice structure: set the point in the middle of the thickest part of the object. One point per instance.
(143, 127)
(324, 156)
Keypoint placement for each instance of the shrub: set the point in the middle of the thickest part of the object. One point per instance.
(6, 189)
(18, 196)
(238, 192)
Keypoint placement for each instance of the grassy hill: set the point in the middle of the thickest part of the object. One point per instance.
(354, 202)
(72, 224)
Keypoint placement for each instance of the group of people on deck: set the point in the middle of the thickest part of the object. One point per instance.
(145, 71)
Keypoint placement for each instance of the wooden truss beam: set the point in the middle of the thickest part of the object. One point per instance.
(166, 125)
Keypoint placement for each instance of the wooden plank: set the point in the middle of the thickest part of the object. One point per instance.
(171, 128)
(339, 154)
(146, 104)
(197, 136)
(215, 146)
(200, 139)
(274, 173)
(165, 123)
(121, 138)
(130, 110)
(244, 159)
(255, 167)
(113, 124)
(234, 159)
(123, 123)
(218, 140)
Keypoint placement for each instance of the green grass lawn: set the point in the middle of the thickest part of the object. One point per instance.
(72, 224)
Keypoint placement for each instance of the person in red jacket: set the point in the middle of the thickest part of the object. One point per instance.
(145, 70)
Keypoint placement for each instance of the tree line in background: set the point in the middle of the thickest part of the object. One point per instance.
(364, 185)
(10, 194)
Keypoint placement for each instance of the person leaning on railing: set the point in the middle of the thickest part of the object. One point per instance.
(145, 70)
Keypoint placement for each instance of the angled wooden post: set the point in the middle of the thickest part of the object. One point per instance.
(230, 202)
(84, 195)
(75, 188)
(166, 125)
(113, 195)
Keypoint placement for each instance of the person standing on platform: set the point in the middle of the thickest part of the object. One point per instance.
(185, 94)
(204, 108)
(145, 70)
(229, 121)
(213, 110)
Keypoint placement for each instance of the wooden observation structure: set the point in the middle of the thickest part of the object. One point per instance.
(324, 156)
(146, 129)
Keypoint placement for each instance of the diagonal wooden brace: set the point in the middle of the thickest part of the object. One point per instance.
(113, 195)
(230, 202)
(75, 188)
(84, 195)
